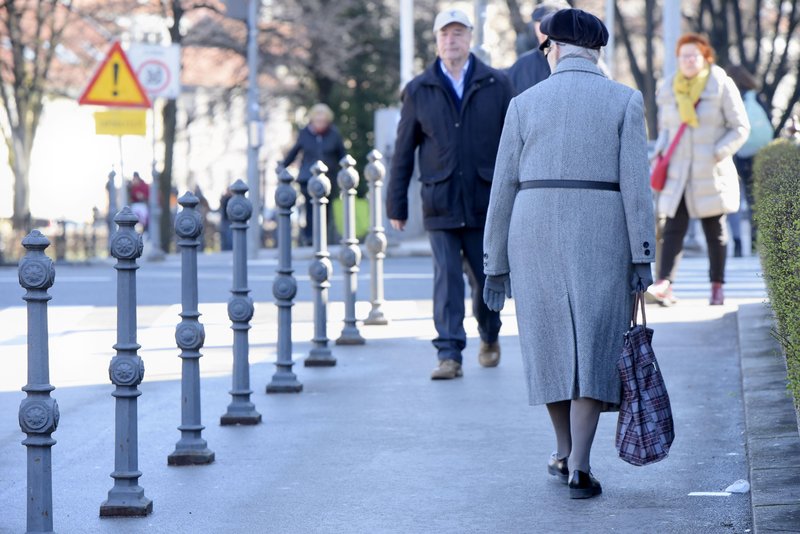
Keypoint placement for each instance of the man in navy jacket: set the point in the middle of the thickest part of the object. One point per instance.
(453, 112)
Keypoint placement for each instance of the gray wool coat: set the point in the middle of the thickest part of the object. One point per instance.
(569, 252)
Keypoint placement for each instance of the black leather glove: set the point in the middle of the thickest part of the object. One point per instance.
(642, 278)
(495, 290)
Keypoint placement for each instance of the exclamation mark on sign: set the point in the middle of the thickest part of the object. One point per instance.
(116, 78)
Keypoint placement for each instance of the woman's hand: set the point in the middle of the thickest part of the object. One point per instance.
(495, 290)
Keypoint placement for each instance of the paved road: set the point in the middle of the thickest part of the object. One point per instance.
(371, 445)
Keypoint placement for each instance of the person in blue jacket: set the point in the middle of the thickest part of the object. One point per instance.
(320, 140)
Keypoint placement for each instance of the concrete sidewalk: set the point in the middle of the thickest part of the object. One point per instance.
(372, 445)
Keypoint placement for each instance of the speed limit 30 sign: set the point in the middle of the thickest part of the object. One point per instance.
(157, 68)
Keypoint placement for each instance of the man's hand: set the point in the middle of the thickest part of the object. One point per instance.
(495, 291)
(397, 224)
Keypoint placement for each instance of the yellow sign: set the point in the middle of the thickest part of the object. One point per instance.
(115, 84)
(120, 122)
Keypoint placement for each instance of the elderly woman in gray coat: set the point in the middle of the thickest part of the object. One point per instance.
(570, 227)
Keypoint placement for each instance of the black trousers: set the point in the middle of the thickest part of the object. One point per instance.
(306, 232)
(716, 231)
(456, 252)
(744, 166)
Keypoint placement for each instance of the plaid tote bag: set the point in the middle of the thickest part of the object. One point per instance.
(645, 430)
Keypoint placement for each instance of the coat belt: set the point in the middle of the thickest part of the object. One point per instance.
(569, 184)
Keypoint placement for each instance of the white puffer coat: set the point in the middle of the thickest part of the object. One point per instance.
(702, 165)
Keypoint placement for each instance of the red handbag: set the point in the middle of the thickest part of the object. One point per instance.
(659, 175)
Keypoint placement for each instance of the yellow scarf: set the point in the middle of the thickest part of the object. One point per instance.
(687, 92)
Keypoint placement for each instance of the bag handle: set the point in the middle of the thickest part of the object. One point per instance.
(674, 144)
(639, 298)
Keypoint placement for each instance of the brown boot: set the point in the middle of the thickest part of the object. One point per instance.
(447, 370)
(489, 354)
(717, 296)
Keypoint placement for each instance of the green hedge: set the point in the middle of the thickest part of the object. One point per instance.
(777, 214)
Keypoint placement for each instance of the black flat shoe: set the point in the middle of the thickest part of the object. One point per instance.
(558, 468)
(583, 485)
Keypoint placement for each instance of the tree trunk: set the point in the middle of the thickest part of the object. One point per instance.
(170, 126)
(165, 180)
(20, 164)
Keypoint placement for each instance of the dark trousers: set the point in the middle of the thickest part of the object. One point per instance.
(306, 234)
(744, 166)
(716, 231)
(455, 253)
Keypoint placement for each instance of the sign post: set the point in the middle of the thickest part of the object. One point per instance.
(158, 70)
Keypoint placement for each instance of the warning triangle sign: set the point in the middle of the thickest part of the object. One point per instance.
(115, 84)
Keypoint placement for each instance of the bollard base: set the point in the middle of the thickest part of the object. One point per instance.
(191, 457)
(376, 317)
(139, 508)
(320, 357)
(252, 418)
(297, 387)
(351, 339)
(320, 360)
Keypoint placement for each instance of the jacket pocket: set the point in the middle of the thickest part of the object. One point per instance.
(435, 193)
(486, 173)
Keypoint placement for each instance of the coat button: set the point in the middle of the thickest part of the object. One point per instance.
(458, 124)
(647, 252)
(645, 244)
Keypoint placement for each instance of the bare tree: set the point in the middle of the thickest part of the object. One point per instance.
(35, 31)
(759, 37)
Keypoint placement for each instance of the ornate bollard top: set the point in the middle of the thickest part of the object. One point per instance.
(374, 170)
(348, 177)
(319, 186)
(239, 208)
(285, 195)
(188, 223)
(36, 269)
(126, 244)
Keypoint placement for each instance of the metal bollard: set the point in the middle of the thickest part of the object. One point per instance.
(376, 240)
(350, 253)
(38, 412)
(241, 410)
(126, 371)
(319, 187)
(191, 449)
(284, 288)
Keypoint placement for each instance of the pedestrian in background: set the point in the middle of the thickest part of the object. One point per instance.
(532, 67)
(571, 225)
(225, 232)
(453, 112)
(761, 133)
(320, 140)
(702, 181)
(139, 194)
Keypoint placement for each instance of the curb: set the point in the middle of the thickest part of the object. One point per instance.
(773, 443)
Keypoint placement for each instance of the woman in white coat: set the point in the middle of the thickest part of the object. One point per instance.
(702, 181)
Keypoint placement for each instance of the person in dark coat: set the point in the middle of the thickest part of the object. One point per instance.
(571, 225)
(532, 67)
(318, 141)
(453, 112)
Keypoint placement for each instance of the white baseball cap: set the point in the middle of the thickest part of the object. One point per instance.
(450, 16)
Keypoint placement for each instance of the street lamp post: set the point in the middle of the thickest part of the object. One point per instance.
(253, 130)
